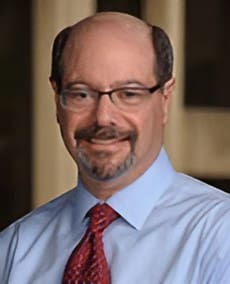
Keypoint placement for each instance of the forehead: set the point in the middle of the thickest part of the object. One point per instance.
(107, 46)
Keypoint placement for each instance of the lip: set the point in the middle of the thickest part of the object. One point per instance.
(111, 145)
(107, 141)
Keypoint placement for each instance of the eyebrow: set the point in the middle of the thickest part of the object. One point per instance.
(128, 82)
(115, 84)
(71, 84)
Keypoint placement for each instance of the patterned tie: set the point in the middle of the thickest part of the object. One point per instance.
(87, 263)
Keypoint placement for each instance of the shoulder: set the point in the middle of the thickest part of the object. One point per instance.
(208, 207)
(202, 206)
(202, 213)
(189, 187)
(32, 232)
(46, 211)
(33, 223)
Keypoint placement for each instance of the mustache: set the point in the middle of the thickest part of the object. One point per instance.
(104, 133)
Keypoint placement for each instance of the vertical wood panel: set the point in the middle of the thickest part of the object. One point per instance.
(53, 170)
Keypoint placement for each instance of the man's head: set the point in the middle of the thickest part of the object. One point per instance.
(112, 75)
(163, 67)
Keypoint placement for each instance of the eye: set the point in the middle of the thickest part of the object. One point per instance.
(130, 95)
(77, 98)
(78, 95)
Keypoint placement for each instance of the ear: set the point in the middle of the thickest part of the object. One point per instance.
(53, 84)
(56, 96)
(167, 96)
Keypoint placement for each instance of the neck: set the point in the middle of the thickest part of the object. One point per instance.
(103, 189)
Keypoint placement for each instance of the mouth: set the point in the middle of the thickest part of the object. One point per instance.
(101, 145)
(105, 153)
(108, 141)
(102, 136)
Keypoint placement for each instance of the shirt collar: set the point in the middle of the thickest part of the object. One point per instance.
(134, 202)
(82, 202)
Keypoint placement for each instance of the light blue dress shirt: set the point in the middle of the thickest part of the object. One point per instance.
(173, 230)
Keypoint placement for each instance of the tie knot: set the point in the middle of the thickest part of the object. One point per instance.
(101, 216)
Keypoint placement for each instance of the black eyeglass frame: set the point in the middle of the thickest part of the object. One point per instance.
(151, 90)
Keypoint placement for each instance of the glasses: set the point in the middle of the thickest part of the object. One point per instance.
(82, 99)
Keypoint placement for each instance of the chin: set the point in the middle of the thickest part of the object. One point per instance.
(104, 170)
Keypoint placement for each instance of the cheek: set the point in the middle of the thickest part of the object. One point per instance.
(68, 123)
(150, 130)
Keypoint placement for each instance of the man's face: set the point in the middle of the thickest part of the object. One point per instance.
(111, 144)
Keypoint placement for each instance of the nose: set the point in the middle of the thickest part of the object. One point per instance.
(106, 112)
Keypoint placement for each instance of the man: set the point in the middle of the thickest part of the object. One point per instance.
(112, 78)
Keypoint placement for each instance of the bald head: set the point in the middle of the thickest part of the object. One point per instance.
(110, 21)
(111, 28)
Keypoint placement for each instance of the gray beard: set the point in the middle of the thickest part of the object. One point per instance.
(104, 171)
(98, 173)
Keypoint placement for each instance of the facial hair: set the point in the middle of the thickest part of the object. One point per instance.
(98, 170)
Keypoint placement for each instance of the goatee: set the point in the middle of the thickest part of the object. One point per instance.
(99, 170)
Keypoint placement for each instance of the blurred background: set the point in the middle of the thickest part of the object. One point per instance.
(34, 165)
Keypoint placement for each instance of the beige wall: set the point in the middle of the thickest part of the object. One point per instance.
(53, 169)
(198, 141)
(169, 15)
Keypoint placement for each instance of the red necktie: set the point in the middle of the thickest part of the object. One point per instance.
(87, 263)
